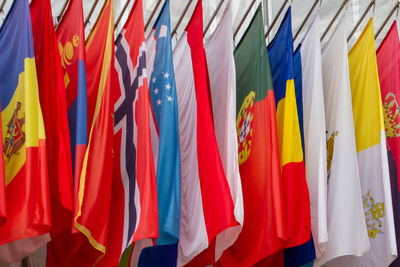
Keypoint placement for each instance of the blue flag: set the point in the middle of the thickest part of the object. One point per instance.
(164, 102)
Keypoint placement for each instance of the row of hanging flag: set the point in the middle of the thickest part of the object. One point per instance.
(128, 152)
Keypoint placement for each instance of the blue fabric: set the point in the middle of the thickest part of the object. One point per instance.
(16, 44)
(165, 108)
(164, 255)
(280, 53)
(298, 85)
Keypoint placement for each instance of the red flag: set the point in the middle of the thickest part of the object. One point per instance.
(92, 209)
(3, 210)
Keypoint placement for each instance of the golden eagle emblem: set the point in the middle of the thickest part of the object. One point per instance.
(15, 137)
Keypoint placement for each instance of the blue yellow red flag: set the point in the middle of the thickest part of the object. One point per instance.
(24, 140)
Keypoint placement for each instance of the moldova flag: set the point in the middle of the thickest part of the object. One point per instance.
(296, 196)
(24, 140)
(71, 46)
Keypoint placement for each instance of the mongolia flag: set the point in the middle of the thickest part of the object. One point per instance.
(371, 154)
(71, 46)
(133, 168)
(24, 140)
(388, 58)
(52, 100)
(92, 209)
(295, 190)
(263, 231)
(206, 202)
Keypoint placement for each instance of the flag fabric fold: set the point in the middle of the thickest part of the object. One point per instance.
(221, 68)
(295, 190)
(94, 185)
(27, 197)
(264, 230)
(371, 153)
(345, 213)
(388, 59)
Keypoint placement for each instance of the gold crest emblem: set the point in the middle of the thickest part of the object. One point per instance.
(373, 212)
(67, 53)
(15, 137)
(391, 115)
(329, 150)
(244, 123)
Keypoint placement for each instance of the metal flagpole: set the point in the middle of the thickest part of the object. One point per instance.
(91, 12)
(213, 16)
(181, 18)
(243, 19)
(396, 7)
(306, 19)
(61, 15)
(360, 20)
(276, 18)
(2, 6)
(334, 19)
(122, 13)
(152, 14)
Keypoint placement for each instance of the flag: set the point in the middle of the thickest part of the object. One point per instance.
(388, 59)
(295, 191)
(24, 141)
(221, 68)
(371, 153)
(263, 230)
(3, 206)
(206, 203)
(133, 162)
(314, 133)
(53, 103)
(91, 214)
(71, 45)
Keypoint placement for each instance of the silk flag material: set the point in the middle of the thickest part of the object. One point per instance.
(388, 58)
(295, 191)
(3, 206)
(345, 213)
(206, 203)
(314, 133)
(53, 103)
(371, 153)
(71, 46)
(92, 209)
(133, 162)
(221, 68)
(264, 230)
(24, 142)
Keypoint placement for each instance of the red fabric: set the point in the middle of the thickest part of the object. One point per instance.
(388, 59)
(27, 198)
(216, 197)
(3, 209)
(264, 231)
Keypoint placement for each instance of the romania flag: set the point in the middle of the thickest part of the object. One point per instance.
(295, 190)
(24, 140)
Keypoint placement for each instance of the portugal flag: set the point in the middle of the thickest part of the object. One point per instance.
(263, 230)
(24, 141)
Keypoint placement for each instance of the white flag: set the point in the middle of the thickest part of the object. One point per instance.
(221, 69)
(314, 134)
(347, 231)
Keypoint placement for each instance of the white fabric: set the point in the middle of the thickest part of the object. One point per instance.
(345, 215)
(193, 237)
(314, 134)
(221, 69)
(19, 249)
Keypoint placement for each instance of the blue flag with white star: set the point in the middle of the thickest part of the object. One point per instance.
(165, 111)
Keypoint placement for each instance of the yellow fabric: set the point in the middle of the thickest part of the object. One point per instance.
(288, 127)
(365, 90)
(30, 115)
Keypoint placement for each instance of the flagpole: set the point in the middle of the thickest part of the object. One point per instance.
(181, 18)
(276, 18)
(360, 20)
(152, 14)
(61, 15)
(243, 19)
(122, 13)
(306, 19)
(334, 19)
(396, 7)
(213, 16)
(91, 12)
(2, 6)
